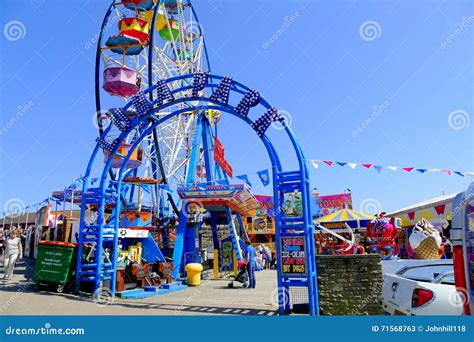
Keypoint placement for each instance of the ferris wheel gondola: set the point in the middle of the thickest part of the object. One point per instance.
(154, 39)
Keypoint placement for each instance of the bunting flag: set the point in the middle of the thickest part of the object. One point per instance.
(440, 209)
(264, 177)
(245, 178)
(316, 163)
(352, 165)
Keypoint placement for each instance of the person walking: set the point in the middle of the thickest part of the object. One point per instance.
(13, 252)
(268, 257)
(250, 256)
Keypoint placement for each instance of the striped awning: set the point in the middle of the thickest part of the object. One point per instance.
(345, 215)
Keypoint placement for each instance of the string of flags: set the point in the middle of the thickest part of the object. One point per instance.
(380, 168)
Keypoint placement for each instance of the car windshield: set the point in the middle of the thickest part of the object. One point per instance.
(426, 272)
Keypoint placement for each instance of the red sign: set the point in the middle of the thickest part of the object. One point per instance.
(328, 204)
(220, 159)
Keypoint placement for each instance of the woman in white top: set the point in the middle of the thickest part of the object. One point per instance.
(13, 251)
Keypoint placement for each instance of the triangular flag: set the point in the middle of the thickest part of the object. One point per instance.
(341, 163)
(393, 168)
(264, 177)
(408, 169)
(421, 170)
(448, 172)
(315, 163)
(470, 174)
(434, 170)
(459, 173)
(440, 209)
(245, 178)
(328, 162)
(411, 215)
(352, 165)
(378, 168)
(367, 166)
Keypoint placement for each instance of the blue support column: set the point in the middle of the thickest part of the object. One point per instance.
(233, 234)
(179, 244)
(215, 232)
(243, 231)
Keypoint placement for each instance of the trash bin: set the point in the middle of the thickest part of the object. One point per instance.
(55, 264)
(193, 271)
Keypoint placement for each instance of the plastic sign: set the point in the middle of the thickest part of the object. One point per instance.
(293, 256)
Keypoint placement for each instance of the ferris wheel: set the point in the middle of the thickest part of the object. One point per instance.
(140, 43)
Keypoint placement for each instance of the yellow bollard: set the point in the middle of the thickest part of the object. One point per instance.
(193, 271)
(216, 264)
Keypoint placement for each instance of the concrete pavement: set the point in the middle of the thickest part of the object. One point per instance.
(18, 297)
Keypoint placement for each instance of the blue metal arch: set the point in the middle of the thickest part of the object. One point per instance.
(277, 170)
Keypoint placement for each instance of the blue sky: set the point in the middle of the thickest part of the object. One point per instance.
(323, 69)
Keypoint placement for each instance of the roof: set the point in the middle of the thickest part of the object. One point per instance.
(425, 204)
(32, 216)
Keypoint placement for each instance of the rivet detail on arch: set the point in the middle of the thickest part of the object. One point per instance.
(119, 118)
(141, 104)
(221, 93)
(200, 80)
(262, 123)
(250, 99)
(163, 93)
(108, 146)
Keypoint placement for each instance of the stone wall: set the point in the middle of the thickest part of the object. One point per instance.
(350, 284)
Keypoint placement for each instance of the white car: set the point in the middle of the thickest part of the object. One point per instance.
(423, 287)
